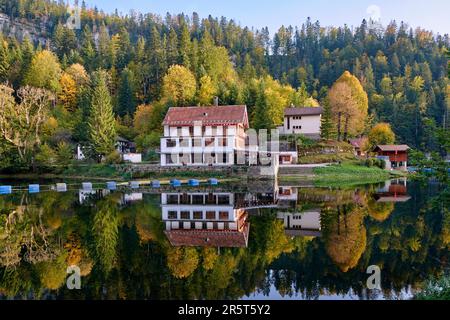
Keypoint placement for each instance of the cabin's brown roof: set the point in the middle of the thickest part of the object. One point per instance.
(392, 148)
(209, 116)
(209, 238)
(306, 111)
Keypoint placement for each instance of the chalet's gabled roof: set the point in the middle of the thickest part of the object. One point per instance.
(207, 116)
(392, 148)
(306, 111)
(209, 238)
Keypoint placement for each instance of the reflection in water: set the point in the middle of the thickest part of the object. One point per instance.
(216, 244)
(204, 220)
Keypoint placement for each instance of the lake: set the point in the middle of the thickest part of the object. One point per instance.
(275, 242)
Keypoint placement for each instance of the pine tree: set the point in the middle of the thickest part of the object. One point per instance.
(261, 115)
(124, 50)
(158, 63)
(172, 48)
(87, 48)
(185, 47)
(127, 94)
(102, 131)
(327, 126)
(4, 61)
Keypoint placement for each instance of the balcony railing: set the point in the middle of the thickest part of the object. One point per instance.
(204, 142)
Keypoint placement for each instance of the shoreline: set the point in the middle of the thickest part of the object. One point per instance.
(331, 176)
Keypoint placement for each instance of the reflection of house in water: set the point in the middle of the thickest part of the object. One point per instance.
(393, 191)
(204, 220)
(302, 224)
(132, 197)
(91, 194)
(305, 223)
(287, 197)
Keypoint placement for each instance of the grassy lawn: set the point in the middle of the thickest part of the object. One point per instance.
(92, 170)
(348, 174)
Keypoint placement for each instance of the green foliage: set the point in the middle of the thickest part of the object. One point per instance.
(381, 134)
(105, 233)
(113, 157)
(46, 156)
(326, 125)
(4, 61)
(101, 119)
(348, 175)
(436, 289)
(402, 72)
(65, 153)
(179, 86)
(126, 95)
(44, 71)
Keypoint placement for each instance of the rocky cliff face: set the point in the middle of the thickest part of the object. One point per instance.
(21, 29)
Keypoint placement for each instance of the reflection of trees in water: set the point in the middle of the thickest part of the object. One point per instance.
(407, 243)
(105, 231)
(345, 236)
(379, 211)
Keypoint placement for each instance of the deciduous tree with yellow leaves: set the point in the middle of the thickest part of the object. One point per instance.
(349, 103)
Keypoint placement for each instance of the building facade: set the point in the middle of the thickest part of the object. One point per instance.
(303, 224)
(204, 136)
(305, 121)
(395, 156)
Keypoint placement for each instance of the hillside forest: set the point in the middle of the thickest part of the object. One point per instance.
(118, 74)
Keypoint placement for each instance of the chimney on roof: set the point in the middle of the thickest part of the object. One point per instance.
(292, 105)
(216, 101)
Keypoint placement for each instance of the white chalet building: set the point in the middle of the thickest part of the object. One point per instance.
(305, 121)
(204, 136)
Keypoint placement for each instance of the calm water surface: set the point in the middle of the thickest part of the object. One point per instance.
(279, 243)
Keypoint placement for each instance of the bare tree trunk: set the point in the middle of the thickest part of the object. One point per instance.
(339, 127)
(346, 128)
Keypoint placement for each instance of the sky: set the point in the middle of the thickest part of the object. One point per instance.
(430, 14)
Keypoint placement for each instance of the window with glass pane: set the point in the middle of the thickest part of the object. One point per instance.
(172, 215)
(171, 143)
(198, 215)
(197, 142)
(211, 215)
(223, 215)
(197, 199)
(172, 199)
(185, 215)
(223, 199)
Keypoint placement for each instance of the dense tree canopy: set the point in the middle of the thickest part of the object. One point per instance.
(391, 74)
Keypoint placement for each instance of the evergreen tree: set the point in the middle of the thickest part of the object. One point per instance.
(102, 131)
(172, 48)
(4, 61)
(185, 47)
(127, 94)
(261, 115)
(88, 48)
(326, 125)
(124, 52)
